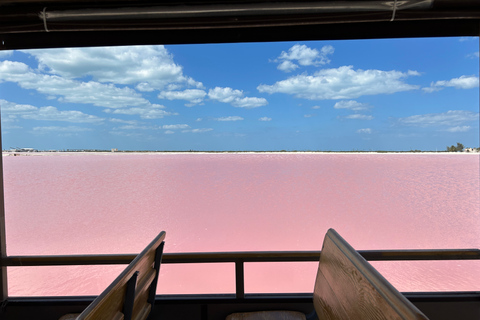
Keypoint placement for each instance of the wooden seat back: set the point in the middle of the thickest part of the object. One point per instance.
(348, 287)
(132, 294)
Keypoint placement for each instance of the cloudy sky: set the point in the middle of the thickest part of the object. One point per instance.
(331, 95)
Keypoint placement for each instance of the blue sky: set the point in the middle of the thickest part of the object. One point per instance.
(398, 94)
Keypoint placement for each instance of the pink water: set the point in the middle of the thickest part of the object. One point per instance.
(117, 203)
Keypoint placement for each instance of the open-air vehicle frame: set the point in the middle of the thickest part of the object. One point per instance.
(30, 24)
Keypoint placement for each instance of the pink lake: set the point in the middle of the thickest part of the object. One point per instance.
(116, 203)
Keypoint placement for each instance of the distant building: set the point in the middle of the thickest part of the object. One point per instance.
(470, 150)
(114, 150)
(23, 150)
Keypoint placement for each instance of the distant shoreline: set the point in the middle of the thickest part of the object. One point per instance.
(67, 153)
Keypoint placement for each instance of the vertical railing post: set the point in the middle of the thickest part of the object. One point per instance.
(239, 279)
(156, 265)
(3, 245)
(130, 297)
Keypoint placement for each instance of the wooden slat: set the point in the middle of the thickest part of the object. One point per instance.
(145, 283)
(111, 301)
(325, 302)
(144, 312)
(140, 306)
(118, 316)
(358, 287)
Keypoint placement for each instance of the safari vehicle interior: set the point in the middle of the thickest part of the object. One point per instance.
(35, 24)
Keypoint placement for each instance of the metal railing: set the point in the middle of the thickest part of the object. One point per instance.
(239, 259)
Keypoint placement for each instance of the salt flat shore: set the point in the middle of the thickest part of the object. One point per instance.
(10, 153)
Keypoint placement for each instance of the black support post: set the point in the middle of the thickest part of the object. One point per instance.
(130, 297)
(3, 245)
(239, 280)
(156, 266)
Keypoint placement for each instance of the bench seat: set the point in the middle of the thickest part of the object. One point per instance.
(132, 294)
(348, 287)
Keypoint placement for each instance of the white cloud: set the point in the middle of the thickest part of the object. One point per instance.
(341, 83)
(175, 126)
(474, 55)
(135, 127)
(463, 39)
(359, 117)
(249, 102)
(8, 107)
(447, 119)
(287, 66)
(316, 107)
(201, 130)
(123, 121)
(231, 118)
(46, 113)
(226, 95)
(173, 87)
(413, 73)
(304, 56)
(265, 119)
(53, 114)
(13, 71)
(10, 127)
(144, 113)
(351, 105)
(308, 115)
(127, 134)
(95, 93)
(10, 118)
(4, 54)
(459, 129)
(235, 98)
(144, 87)
(198, 130)
(195, 96)
(432, 88)
(365, 130)
(69, 129)
(169, 132)
(463, 82)
(149, 66)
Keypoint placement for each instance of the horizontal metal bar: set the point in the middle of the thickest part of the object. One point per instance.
(182, 299)
(249, 256)
(231, 257)
(399, 255)
(231, 9)
(67, 260)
